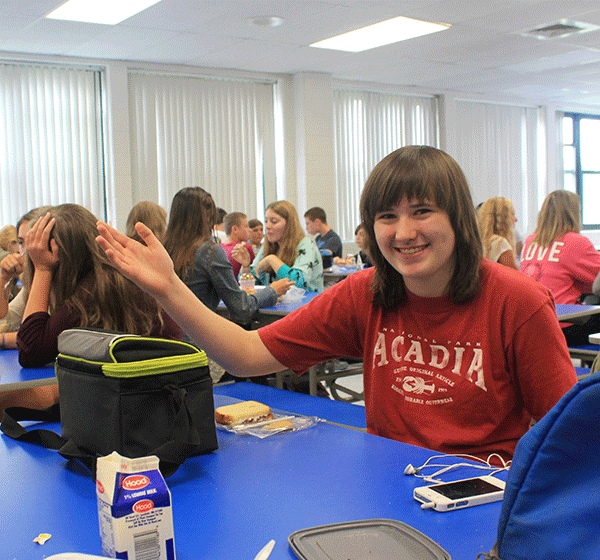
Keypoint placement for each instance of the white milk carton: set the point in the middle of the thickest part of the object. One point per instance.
(134, 509)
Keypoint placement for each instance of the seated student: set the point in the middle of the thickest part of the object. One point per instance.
(201, 262)
(8, 240)
(8, 246)
(72, 284)
(563, 260)
(10, 259)
(328, 241)
(286, 252)
(256, 234)
(150, 214)
(237, 231)
(496, 218)
(218, 228)
(361, 258)
(11, 267)
(459, 353)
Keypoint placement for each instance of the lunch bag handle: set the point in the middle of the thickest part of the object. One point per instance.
(171, 453)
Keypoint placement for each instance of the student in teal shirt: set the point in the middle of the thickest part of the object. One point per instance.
(286, 251)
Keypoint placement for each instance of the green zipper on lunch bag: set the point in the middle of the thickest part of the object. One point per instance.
(155, 366)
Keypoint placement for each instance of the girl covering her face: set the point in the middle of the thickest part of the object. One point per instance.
(114, 304)
(70, 283)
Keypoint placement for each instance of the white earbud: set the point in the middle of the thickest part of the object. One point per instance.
(410, 470)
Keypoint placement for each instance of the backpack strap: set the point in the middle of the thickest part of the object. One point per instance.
(171, 454)
(46, 438)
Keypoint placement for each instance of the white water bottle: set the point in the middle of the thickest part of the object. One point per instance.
(359, 264)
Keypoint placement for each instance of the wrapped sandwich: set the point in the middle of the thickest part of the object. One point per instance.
(246, 412)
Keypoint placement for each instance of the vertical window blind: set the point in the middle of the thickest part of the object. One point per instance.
(368, 126)
(217, 134)
(496, 146)
(51, 145)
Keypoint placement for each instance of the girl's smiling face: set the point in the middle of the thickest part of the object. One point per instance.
(417, 239)
(275, 226)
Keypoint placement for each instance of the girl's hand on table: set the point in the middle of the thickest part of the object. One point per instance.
(282, 286)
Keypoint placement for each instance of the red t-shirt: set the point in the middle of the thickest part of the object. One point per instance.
(453, 378)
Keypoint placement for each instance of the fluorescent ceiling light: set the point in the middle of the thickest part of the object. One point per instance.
(382, 33)
(109, 12)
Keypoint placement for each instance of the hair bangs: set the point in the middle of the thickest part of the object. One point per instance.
(407, 175)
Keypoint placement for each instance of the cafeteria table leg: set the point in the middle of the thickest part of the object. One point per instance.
(312, 379)
(279, 378)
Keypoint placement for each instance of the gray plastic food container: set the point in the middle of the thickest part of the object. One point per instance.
(379, 539)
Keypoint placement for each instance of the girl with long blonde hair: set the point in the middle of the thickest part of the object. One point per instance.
(496, 219)
(286, 251)
(560, 214)
(151, 215)
(562, 259)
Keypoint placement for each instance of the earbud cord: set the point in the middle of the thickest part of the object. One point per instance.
(410, 470)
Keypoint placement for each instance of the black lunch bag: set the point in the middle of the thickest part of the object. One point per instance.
(135, 395)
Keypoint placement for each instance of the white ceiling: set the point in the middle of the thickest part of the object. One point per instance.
(483, 53)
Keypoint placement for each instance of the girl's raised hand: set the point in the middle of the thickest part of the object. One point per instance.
(240, 254)
(149, 266)
(42, 250)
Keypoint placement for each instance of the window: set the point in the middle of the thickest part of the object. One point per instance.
(368, 126)
(50, 139)
(581, 164)
(217, 134)
(496, 146)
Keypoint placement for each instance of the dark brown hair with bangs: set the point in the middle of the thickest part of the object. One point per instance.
(422, 173)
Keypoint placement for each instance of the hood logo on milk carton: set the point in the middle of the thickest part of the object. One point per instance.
(136, 482)
(143, 506)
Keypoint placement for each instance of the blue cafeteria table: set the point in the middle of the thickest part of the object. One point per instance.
(230, 503)
(13, 376)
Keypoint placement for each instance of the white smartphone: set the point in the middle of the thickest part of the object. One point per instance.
(459, 494)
